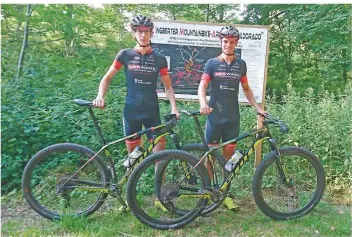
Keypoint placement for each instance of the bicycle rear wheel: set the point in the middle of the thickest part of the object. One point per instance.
(47, 186)
(294, 196)
(175, 192)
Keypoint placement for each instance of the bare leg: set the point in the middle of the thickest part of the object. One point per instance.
(227, 153)
(228, 150)
(131, 144)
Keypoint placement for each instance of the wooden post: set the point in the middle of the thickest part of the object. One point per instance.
(258, 151)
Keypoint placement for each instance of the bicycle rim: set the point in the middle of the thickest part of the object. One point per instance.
(156, 204)
(51, 189)
(295, 196)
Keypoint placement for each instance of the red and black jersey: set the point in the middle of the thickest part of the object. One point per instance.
(141, 73)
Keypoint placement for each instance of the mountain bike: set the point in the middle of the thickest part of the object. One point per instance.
(71, 179)
(288, 183)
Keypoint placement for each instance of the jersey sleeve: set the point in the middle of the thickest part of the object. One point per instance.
(163, 66)
(208, 71)
(119, 60)
(243, 72)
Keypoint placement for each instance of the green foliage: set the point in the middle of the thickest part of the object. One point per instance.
(325, 220)
(322, 124)
(67, 57)
(310, 43)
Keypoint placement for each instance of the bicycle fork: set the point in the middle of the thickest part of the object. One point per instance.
(280, 168)
(288, 185)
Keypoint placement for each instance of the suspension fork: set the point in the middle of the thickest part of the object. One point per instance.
(279, 166)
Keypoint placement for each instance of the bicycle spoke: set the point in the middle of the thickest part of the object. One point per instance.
(52, 190)
(293, 190)
(174, 196)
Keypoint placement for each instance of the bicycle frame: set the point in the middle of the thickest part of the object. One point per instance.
(261, 134)
(164, 130)
(112, 189)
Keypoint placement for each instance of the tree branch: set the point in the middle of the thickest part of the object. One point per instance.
(31, 12)
(278, 14)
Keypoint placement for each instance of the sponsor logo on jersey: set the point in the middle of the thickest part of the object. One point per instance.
(148, 68)
(222, 87)
(151, 59)
(227, 74)
(134, 66)
(140, 81)
(220, 74)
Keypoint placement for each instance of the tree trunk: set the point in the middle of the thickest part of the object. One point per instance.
(221, 15)
(290, 52)
(24, 44)
(70, 32)
(173, 15)
(208, 12)
(344, 66)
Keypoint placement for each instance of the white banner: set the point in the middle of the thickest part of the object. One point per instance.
(252, 47)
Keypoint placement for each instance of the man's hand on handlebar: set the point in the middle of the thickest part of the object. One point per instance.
(99, 102)
(205, 109)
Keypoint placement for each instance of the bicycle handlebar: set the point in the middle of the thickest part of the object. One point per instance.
(190, 113)
(271, 120)
(81, 102)
(172, 122)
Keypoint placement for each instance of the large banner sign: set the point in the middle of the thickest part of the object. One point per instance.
(187, 47)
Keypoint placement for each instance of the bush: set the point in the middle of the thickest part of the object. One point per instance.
(322, 124)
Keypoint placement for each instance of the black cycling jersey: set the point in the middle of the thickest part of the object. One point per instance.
(141, 102)
(224, 122)
(141, 73)
(224, 79)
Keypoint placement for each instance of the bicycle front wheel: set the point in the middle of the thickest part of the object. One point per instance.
(51, 187)
(290, 185)
(144, 197)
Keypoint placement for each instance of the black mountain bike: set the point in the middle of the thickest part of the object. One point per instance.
(288, 183)
(71, 179)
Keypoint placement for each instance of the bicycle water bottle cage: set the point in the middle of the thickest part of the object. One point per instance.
(169, 117)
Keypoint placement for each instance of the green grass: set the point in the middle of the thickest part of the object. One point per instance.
(325, 220)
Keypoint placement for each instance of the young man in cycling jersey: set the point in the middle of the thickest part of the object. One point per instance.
(142, 66)
(225, 73)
